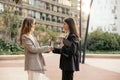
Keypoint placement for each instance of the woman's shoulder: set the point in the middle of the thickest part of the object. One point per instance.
(73, 37)
(26, 36)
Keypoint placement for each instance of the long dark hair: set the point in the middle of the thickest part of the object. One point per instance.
(72, 26)
(25, 28)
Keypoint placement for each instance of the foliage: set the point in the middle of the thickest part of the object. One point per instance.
(14, 27)
(46, 35)
(11, 23)
(53, 35)
(10, 47)
(99, 40)
(40, 28)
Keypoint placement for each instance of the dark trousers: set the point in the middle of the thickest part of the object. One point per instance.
(67, 75)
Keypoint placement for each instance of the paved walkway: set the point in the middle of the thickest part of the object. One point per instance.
(93, 69)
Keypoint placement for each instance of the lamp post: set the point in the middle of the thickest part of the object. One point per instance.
(86, 35)
(80, 26)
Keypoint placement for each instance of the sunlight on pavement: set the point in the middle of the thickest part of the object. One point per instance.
(13, 74)
(108, 64)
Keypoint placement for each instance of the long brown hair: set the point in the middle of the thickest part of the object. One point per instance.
(72, 27)
(25, 28)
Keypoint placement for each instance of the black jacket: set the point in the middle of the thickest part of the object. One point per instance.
(69, 60)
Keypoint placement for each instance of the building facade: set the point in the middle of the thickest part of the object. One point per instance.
(105, 15)
(49, 13)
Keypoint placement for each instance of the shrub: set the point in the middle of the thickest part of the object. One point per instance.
(99, 40)
(10, 47)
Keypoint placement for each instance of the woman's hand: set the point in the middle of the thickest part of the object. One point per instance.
(61, 45)
(51, 48)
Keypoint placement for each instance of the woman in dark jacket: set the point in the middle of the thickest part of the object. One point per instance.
(69, 60)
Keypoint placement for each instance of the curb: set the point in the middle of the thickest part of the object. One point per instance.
(21, 57)
(12, 57)
(113, 56)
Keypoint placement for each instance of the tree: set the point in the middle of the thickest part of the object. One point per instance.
(45, 35)
(94, 38)
(99, 40)
(11, 22)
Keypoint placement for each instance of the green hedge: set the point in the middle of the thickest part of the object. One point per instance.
(10, 48)
(103, 41)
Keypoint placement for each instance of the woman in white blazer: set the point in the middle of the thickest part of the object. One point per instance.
(34, 61)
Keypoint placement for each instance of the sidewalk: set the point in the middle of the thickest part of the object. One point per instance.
(93, 69)
(17, 57)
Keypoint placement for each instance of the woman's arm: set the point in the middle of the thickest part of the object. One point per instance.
(28, 44)
(70, 46)
(57, 51)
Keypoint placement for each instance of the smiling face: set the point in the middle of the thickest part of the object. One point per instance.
(33, 27)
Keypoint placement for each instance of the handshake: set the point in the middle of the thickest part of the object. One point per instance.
(49, 48)
(62, 43)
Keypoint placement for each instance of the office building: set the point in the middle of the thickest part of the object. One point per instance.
(49, 13)
(105, 15)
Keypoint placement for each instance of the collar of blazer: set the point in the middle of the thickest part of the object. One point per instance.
(32, 38)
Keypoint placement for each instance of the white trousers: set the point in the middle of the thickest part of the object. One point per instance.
(36, 76)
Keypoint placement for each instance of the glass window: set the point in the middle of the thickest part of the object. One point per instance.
(55, 8)
(43, 16)
(24, 12)
(31, 13)
(40, 3)
(1, 7)
(25, 0)
(50, 7)
(59, 20)
(37, 15)
(43, 5)
(49, 17)
(37, 3)
(20, 11)
(31, 2)
(60, 10)
(66, 11)
(54, 19)
(63, 10)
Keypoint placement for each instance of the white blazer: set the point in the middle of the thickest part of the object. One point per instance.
(34, 60)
